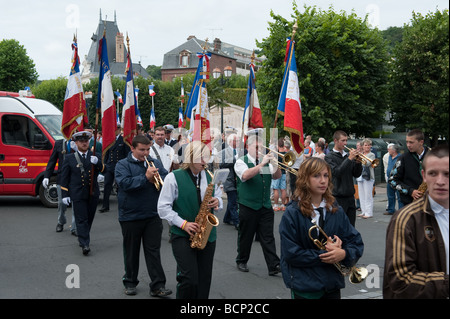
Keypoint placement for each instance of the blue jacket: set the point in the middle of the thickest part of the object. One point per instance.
(301, 266)
(137, 197)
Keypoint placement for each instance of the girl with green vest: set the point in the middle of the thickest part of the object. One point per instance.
(179, 204)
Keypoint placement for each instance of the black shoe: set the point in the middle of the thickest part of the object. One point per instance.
(74, 233)
(103, 210)
(242, 267)
(275, 271)
(86, 250)
(59, 228)
(161, 292)
(130, 291)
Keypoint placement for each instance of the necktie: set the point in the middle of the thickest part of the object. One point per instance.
(320, 210)
(84, 156)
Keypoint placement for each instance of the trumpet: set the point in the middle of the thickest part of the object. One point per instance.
(158, 180)
(288, 160)
(364, 159)
(356, 274)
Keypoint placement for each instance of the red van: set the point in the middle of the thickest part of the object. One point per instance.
(29, 128)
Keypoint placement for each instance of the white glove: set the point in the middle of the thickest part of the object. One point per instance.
(66, 201)
(94, 159)
(45, 182)
(73, 146)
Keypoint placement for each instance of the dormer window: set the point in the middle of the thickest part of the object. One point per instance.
(184, 58)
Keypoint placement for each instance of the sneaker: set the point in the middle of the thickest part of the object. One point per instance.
(130, 291)
(276, 208)
(161, 292)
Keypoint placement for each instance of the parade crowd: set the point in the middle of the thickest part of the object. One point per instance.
(162, 179)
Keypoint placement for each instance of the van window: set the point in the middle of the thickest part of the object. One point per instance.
(19, 130)
(52, 124)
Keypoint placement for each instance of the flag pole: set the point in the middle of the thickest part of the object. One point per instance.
(294, 30)
(95, 133)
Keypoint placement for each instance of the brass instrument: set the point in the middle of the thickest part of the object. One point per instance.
(423, 187)
(158, 180)
(364, 159)
(205, 219)
(288, 160)
(356, 274)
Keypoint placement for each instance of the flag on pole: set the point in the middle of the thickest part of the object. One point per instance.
(119, 96)
(152, 118)
(201, 129)
(180, 117)
(201, 76)
(289, 103)
(151, 92)
(252, 112)
(105, 101)
(74, 112)
(129, 107)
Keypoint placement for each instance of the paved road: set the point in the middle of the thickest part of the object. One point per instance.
(34, 258)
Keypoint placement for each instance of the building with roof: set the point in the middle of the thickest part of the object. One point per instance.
(183, 59)
(117, 52)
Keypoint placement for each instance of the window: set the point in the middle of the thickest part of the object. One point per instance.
(19, 130)
(184, 59)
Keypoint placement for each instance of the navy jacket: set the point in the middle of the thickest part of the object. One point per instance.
(342, 171)
(301, 266)
(138, 198)
(76, 184)
(58, 154)
(118, 151)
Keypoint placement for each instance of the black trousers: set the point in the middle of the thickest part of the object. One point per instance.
(108, 186)
(84, 211)
(259, 222)
(147, 231)
(349, 206)
(194, 268)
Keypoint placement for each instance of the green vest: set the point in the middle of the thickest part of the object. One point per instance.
(187, 205)
(255, 192)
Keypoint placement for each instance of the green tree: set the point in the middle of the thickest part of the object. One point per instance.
(420, 76)
(154, 71)
(52, 91)
(17, 69)
(342, 68)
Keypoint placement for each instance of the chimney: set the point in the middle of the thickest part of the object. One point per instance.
(217, 45)
(191, 37)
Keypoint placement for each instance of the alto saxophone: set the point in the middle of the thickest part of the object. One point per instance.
(205, 219)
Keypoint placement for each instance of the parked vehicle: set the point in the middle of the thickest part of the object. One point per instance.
(29, 128)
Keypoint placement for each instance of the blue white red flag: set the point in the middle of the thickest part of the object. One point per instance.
(152, 118)
(289, 103)
(201, 76)
(252, 112)
(182, 91)
(129, 107)
(151, 92)
(119, 96)
(74, 112)
(105, 101)
(180, 117)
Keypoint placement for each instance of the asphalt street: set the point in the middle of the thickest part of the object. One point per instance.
(38, 263)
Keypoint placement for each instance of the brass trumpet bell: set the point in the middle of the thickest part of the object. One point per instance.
(364, 159)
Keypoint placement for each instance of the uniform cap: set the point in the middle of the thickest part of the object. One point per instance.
(82, 136)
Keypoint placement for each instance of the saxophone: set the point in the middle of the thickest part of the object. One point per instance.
(422, 188)
(205, 219)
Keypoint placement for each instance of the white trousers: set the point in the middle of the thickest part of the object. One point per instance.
(365, 189)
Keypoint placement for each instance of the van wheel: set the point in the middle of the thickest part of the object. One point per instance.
(49, 196)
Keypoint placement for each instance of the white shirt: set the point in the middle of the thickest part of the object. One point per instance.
(166, 153)
(169, 194)
(240, 167)
(441, 215)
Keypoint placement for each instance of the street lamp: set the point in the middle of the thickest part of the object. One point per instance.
(228, 71)
(216, 73)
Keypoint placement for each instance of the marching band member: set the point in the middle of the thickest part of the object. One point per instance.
(179, 203)
(138, 216)
(256, 214)
(75, 186)
(308, 271)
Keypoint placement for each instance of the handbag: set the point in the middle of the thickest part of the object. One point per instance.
(366, 173)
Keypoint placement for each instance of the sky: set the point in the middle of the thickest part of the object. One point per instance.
(46, 28)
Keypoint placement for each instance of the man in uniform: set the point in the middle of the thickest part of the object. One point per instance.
(75, 185)
(61, 148)
(118, 151)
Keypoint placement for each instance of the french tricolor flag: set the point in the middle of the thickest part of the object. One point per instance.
(74, 111)
(252, 112)
(180, 117)
(105, 101)
(152, 118)
(289, 103)
(129, 107)
(151, 92)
